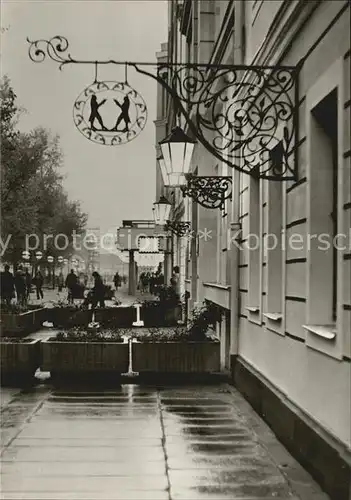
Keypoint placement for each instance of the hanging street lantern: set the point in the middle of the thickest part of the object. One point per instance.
(60, 259)
(177, 150)
(50, 259)
(162, 210)
(38, 255)
(25, 255)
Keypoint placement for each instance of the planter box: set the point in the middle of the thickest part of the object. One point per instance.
(63, 358)
(65, 317)
(156, 316)
(120, 317)
(176, 357)
(18, 325)
(123, 317)
(19, 360)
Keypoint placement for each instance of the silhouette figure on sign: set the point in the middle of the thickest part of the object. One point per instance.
(94, 113)
(124, 114)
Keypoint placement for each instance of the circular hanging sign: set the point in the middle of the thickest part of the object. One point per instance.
(110, 113)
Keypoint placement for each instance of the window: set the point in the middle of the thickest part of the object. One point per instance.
(254, 245)
(273, 242)
(324, 179)
(325, 281)
(325, 115)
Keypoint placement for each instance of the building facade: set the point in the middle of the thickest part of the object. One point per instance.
(286, 307)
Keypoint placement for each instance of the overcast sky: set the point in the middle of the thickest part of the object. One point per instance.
(112, 183)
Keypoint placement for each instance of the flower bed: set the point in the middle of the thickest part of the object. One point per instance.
(67, 316)
(115, 317)
(155, 314)
(174, 351)
(16, 321)
(20, 359)
(79, 352)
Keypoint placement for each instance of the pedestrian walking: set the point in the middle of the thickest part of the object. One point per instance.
(60, 281)
(7, 285)
(20, 285)
(117, 281)
(175, 282)
(98, 295)
(28, 279)
(71, 285)
(38, 282)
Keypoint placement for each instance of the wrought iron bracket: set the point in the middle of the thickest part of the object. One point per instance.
(208, 191)
(245, 116)
(179, 228)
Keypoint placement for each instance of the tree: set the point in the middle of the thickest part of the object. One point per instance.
(33, 200)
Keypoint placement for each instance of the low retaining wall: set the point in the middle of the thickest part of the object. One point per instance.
(176, 357)
(82, 357)
(18, 325)
(19, 360)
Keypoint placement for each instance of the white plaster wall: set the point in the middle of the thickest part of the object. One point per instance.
(318, 384)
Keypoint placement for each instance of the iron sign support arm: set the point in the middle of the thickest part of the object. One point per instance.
(245, 116)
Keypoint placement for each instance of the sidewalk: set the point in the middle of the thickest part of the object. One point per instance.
(141, 442)
(145, 443)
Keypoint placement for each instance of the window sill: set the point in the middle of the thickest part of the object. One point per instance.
(327, 332)
(273, 316)
(252, 309)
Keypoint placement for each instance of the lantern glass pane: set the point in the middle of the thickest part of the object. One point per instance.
(177, 157)
(165, 209)
(166, 153)
(187, 157)
(164, 173)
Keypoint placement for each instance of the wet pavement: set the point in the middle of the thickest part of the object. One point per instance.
(144, 443)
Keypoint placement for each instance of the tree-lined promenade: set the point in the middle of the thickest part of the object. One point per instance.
(33, 199)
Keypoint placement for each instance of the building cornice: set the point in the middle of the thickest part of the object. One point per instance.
(225, 33)
(287, 22)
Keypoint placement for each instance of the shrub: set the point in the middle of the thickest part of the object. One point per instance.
(167, 296)
(82, 335)
(202, 318)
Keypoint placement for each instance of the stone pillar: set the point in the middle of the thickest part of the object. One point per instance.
(132, 273)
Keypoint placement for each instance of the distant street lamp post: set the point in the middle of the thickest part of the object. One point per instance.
(50, 260)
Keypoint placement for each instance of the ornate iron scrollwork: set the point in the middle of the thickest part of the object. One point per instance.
(130, 110)
(209, 192)
(55, 48)
(180, 228)
(238, 113)
(246, 116)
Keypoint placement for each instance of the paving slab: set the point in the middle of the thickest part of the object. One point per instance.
(117, 494)
(67, 469)
(97, 484)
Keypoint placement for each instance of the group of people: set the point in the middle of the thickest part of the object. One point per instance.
(148, 282)
(19, 285)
